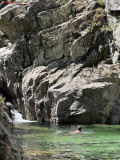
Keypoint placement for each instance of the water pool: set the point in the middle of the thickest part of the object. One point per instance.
(53, 142)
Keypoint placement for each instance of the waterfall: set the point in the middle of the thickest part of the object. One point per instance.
(18, 117)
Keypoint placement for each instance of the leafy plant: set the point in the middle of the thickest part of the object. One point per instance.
(62, 2)
(70, 17)
(2, 100)
(101, 2)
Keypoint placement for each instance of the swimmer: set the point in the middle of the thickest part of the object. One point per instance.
(77, 131)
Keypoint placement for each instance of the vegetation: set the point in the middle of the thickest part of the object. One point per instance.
(2, 100)
(70, 17)
(62, 2)
(101, 2)
(110, 26)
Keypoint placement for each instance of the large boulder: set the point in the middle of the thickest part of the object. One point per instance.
(59, 98)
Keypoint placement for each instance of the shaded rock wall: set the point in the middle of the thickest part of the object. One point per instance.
(9, 149)
(57, 64)
(113, 14)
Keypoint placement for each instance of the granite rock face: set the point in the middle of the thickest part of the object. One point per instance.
(114, 5)
(86, 98)
(113, 8)
(56, 64)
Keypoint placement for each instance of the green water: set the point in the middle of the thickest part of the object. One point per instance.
(53, 142)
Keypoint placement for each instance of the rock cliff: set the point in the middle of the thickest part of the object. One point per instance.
(56, 62)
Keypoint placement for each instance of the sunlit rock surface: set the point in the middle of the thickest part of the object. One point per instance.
(114, 5)
(56, 63)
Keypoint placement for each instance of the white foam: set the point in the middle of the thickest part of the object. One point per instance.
(18, 117)
(87, 132)
(58, 131)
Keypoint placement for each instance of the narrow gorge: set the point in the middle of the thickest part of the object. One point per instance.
(59, 61)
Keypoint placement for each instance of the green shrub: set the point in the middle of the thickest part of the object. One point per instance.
(62, 2)
(101, 2)
(70, 17)
(2, 100)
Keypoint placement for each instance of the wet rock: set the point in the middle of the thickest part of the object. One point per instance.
(9, 149)
(7, 118)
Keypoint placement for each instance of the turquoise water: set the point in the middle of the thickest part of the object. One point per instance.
(52, 142)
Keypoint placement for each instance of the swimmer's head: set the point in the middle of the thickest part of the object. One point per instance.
(79, 127)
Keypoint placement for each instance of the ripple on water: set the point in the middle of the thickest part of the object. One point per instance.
(87, 132)
(52, 142)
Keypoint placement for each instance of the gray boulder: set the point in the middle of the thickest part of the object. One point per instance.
(115, 113)
(114, 5)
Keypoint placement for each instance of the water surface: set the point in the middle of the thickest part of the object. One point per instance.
(53, 142)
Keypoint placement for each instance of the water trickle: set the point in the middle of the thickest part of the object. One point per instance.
(18, 117)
